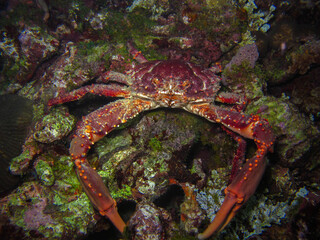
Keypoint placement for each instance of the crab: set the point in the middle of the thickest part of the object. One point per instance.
(172, 84)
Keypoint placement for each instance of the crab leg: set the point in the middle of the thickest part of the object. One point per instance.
(248, 177)
(137, 55)
(239, 101)
(239, 155)
(111, 90)
(92, 128)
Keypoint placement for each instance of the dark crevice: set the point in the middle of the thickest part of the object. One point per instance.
(194, 149)
(126, 209)
(172, 198)
(87, 104)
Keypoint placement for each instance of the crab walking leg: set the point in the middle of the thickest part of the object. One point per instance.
(239, 155)
(110, 90)
(137, 55)
(92, 128)
(239, 101)
(248, 177)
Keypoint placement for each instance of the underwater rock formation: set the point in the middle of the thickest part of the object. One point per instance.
(169, 167)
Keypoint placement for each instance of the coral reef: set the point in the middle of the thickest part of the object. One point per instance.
(171, 166)
(55, 212)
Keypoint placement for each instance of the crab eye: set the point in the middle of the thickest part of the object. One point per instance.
(155, 81)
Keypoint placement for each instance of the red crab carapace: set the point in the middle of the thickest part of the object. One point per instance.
(172, 84)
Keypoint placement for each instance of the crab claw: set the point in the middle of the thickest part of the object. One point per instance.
(98, 193)
(237, 193)
(227, 211)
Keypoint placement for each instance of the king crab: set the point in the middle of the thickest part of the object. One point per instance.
(172, 84)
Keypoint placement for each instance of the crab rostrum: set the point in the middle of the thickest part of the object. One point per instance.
(172, 84)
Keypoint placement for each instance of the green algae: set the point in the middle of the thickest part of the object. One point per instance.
(81, 62)
(14, 62)
(213, 14)
(93, 51)
(243, 78)
(66, 210)
(109, 170)
(157, 148)
(194, 169)
(65, 174)
(20, 162)
(113, 142)
(110, 146)
(276, 73)
(45, 173)
(184, 128)
(285, 120)
(30, 208)
(134, 26)
(155, 159)
(17, 204)
(38, 111)
(214, 4)
(54, 126)
(77, 212)
(67, 195)
(124, 192)
(154, 7)
(155, 144)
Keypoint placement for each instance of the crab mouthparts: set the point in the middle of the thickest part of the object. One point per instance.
(171, 100)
